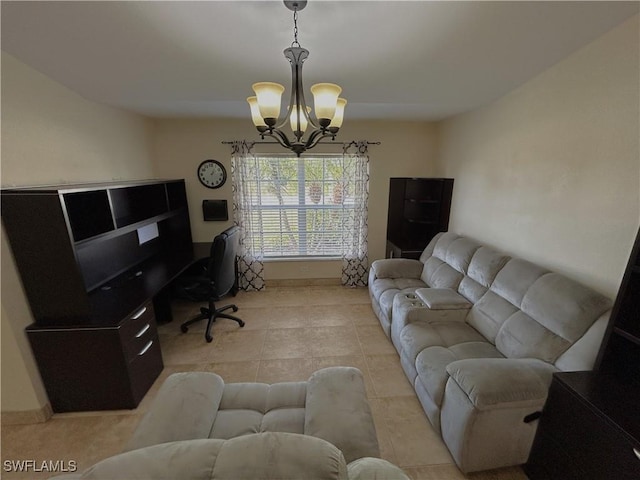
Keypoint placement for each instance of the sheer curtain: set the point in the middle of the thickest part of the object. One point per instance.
(355, 262)
(243, 180)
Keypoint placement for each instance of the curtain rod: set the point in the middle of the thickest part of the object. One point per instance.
(353, 142)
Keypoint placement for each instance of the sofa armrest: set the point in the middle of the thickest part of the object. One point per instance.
(184, 409)
(428, 305)
(397, 268)
(443, 299)
(493, 382)
(337, 411)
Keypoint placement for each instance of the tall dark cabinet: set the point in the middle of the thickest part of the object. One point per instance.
(590, 425)
(95, 261)
(620, 352)
(418, 209)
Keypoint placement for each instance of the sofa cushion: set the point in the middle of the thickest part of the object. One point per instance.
(523, 337)
(489, 314)
(442, 243)
(515, 278)
(582, 354)
(338, 412)
(259, 407)
(431, 364)
(482, 271)
(485, 265)
(439, 274)
(417, 336)
(460, 252)
(563, 306)
(556, 312)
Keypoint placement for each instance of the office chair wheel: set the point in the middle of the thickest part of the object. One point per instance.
(208, 338)
(235, 309)
(241, 323)
(184, 328)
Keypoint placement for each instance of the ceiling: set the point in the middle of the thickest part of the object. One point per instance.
(395, 60)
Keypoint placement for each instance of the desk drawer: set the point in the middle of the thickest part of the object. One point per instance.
(145, 367)
(137, 331)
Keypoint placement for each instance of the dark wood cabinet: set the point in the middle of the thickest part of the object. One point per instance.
(101, 368)
(590, 425)
(95, 262)
(418, 209)
(589, 430)
(620, 351)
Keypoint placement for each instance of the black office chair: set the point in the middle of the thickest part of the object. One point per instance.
(215, 277)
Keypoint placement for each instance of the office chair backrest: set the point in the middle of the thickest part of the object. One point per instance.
(222, 260)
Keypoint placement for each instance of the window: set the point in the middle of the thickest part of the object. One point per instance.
(300, 207)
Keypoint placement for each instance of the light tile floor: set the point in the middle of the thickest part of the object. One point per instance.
(290, 332)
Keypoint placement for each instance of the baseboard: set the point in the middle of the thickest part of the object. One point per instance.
(304, 282)
(24, 417)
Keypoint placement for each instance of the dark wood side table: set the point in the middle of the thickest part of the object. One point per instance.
(589, 429)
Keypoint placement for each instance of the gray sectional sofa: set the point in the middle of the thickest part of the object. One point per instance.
(200, 428)
(479, 335)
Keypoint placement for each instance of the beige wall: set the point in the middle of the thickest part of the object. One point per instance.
(52, 135)
(406, 149)
(551, 171)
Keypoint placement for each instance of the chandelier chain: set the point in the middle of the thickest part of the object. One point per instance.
(295, 42)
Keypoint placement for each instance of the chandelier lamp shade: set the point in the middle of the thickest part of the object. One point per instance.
(328, 106)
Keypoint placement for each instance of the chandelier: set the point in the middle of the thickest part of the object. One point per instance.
(328, 108)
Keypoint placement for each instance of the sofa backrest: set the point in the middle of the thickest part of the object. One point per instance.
(262, 455)
(525, 310)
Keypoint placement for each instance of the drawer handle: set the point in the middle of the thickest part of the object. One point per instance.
(143, 331)
(139, 313)
(146, 347)
(635, 450)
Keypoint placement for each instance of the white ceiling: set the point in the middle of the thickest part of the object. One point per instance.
(401, 60)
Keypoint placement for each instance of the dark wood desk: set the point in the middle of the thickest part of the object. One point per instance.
(109, 360)
(96, 262)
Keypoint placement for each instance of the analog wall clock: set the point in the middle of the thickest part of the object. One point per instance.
(212, 174)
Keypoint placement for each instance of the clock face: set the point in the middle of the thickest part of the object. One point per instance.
(212, 174)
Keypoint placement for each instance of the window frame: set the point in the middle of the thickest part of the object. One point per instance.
(301, 207)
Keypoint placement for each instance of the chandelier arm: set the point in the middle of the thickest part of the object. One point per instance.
(316, 136)
(279, 136)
